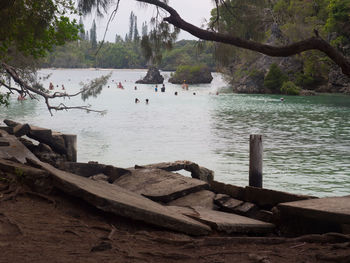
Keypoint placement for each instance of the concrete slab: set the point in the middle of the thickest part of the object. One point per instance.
(329, 209)
(202, 198)
(114, 199)
(227, 203)
(226, 222)
(15, 149)
(159, 185)
(269, 198)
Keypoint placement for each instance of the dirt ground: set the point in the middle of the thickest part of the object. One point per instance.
(59, 228)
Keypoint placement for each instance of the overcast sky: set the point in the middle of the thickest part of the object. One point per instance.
(193, 11)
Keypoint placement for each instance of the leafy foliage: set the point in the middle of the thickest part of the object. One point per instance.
(290, 88)
(339, 20)
(274, 79)
(127, 55)
(33, 27)
(94, 87)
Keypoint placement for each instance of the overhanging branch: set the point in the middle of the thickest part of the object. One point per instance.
(313, 43)
(27, 89)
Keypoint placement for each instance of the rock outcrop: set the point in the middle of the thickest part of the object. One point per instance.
(252, 81)
(153, 76)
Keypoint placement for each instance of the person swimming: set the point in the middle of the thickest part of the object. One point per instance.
(175, 93)
(137, 100)
(147, 101)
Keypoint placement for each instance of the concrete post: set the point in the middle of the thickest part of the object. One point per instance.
(71, 146)
(255, 160)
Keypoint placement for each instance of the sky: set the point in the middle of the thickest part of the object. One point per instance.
(193, 11)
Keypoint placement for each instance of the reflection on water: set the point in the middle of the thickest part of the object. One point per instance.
(306, 139)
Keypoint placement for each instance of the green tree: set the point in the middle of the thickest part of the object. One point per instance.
(93, 36)
(82, 30)
(136, 31)
(131, 27)
(274, 79)
(29, 29)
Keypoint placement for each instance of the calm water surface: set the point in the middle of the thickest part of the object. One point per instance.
(306, 139)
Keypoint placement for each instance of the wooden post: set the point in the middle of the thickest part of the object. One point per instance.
(255, 160)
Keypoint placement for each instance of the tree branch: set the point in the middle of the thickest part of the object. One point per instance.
(313, 43)
(27, 89)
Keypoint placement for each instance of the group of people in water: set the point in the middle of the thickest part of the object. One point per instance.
(52, 87)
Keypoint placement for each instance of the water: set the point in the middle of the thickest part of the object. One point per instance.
(306, 139)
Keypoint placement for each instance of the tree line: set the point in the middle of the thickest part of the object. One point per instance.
(87, 52)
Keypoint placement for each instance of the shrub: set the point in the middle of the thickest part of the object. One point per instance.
(290, 88)
(274, 79)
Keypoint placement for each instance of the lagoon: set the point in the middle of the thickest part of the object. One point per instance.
(306, 139)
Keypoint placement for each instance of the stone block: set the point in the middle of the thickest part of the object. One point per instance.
(117, 200)
(236, 192)
(71, 146)
(227, 203)
(160, 185)
(21, 129)
(267, 198)
(11, 123)
(202, 198)
(4, 142)
(246, 209)
(230, 223)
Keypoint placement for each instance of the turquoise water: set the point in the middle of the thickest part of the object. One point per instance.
(306, 139)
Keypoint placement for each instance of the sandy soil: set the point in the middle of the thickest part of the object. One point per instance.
(64, 229)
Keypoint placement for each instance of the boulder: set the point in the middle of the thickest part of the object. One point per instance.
(152, 77)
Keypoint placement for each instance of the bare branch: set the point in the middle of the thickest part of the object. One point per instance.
(27, 89)
(313, 43)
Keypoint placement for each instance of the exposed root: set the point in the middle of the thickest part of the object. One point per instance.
(113, 230)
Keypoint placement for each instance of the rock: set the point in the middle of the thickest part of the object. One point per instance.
(246, 209)
(4, 142)
(15, 149)
(202, 198)
(99, 177)
(251, 80)
(10, 123)
(337, 82)
(197, 171)
(37, 179)
(305, 92)
(230, 223)
(328, 209)
(236, 192)
(114, 199)
(21, 129)
(152, 77)
(154, 184)
(319, 215)
(93, 168)
(192, 75)
(227, 203)
(269, 198)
